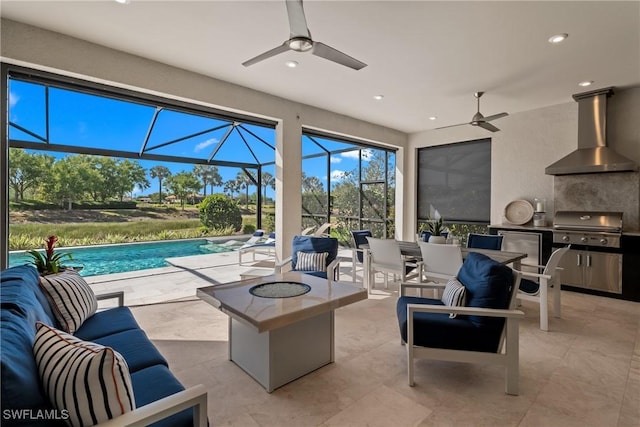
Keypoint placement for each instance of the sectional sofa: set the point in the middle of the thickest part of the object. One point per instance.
(30, 376)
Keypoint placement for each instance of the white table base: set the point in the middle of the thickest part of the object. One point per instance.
(278, 356)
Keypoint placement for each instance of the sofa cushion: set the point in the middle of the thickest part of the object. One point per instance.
(154, 383)
(135, 347)
(488, 284)
(107, 322)
(529, 286)
(438, 330)
(90, 381)
(20, 292)
(71, 298)
(20, 383)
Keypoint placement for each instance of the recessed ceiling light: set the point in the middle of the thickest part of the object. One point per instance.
(558, 38)
(122, 1)
(378, 97)
(292, 64)
(433, 117)
(586, 83)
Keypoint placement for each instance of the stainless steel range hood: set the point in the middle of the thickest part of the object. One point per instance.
(593, 155)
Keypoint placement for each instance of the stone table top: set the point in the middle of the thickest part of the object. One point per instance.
(266, 314)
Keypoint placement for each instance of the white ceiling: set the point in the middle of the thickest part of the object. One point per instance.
(427, 58)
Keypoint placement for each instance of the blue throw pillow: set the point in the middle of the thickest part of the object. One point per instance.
(487, 284)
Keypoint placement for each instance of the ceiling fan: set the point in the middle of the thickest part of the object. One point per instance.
(480, 120)
(300, 41)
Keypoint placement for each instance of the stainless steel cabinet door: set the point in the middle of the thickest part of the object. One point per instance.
(603, 271)
(572, 264)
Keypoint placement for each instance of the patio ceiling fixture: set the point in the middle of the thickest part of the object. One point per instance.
(300, 41)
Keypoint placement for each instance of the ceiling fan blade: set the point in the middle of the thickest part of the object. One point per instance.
(327, 52)
(452, 126)
(268, 54)
(488, 126)
(495, 117)
(297, 21)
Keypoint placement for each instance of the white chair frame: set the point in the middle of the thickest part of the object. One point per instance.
(548, 279)
(385, 257)
(508, 354)
(440, 263)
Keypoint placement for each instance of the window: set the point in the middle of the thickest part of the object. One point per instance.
(454, 182)
(349, 183)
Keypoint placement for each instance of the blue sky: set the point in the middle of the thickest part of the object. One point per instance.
(80, 119)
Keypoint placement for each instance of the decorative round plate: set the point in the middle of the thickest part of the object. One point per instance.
(280, 289)
(518, 212)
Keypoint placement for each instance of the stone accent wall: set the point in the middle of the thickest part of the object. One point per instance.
(613, 192)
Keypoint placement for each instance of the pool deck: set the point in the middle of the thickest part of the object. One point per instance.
(184, 276)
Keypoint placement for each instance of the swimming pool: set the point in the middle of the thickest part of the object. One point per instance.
(108, 259)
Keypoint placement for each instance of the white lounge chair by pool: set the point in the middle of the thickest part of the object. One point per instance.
(268, 247)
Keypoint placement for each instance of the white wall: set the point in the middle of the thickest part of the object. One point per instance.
(33, 47)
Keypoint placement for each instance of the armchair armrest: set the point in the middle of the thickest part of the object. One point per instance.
(532, 265)
(279, 265)
(112, 295)
(419, 285)
(194, 397)
(474, 311)
(332, 268)
(535, 275)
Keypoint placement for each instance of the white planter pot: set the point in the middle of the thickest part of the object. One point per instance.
(437, 239)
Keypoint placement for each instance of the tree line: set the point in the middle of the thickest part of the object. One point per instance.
(81, 177)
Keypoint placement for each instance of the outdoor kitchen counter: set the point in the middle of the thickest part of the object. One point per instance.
(521, 227)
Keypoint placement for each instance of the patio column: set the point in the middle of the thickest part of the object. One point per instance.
(288, 183)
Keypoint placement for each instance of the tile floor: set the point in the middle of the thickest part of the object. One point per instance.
(584, 372)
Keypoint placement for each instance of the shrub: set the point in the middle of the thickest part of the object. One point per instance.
(269, 221)
(218, 211)
(248, 229)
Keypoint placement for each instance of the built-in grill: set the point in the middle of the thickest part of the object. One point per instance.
(595, 261)
(600, 229)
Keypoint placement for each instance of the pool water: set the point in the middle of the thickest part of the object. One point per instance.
(110, 259)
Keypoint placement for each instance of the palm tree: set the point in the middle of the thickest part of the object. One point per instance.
(268, 180)
(244, 181)
(160, 172)
(209, 175)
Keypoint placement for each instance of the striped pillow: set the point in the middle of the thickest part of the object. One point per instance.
(71, 299)
(90, 382)
(453, 295)
(312, 261)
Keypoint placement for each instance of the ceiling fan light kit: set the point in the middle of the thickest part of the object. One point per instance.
(300, 41)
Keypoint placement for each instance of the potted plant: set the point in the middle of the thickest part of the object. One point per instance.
(435, 227)
(49, 262)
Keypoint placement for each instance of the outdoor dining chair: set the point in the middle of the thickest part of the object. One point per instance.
(440, 263)
(535, 286)
(385, 257)
(484, 241)
(358, 238)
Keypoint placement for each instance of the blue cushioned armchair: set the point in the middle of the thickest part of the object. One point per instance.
(485, 330)
(313, 245)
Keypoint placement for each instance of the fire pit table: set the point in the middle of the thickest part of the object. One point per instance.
(281, 326)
